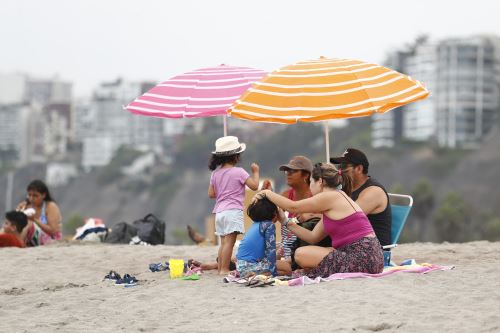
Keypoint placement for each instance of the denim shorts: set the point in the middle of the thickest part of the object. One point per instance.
(229, 221)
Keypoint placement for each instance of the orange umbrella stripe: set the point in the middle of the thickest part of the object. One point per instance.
(332, 79)
(328, 90)
(382, 105)
(321, 100)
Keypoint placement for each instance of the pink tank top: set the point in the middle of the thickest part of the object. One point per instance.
(347, 230)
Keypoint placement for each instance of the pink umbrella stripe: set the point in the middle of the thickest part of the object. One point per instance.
(200, 93)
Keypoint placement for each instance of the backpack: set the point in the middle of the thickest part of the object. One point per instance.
(150, 229)
(121, 233)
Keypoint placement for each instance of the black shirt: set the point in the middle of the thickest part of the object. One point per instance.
(381, 222)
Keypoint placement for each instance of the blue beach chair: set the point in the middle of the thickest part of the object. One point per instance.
(401, 206)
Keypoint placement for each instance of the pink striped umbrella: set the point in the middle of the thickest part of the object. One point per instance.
(203, 92)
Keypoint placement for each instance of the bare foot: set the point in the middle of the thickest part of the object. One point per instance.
(194, 235)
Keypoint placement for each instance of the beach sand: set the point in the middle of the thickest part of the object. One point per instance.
(60, 288)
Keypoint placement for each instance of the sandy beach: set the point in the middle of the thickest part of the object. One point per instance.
(60, 288)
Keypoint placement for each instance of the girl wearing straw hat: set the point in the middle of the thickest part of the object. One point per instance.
(227, 187)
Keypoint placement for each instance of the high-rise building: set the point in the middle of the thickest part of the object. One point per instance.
(463, 77)
(103, 118)
(387, 128)
(467, 91)
(14, 134)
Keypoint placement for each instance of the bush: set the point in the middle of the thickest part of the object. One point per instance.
(73, 222)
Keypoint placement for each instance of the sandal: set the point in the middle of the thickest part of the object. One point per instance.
(263, 284)
(112, 276)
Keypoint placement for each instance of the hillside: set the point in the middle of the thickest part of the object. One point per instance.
(473, 175)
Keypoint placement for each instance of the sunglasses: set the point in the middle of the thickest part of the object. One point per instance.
(290, 171)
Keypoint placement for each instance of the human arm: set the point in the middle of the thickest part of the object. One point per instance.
(211, 192)
(53, 215)
(316, 204)
(253, 181)
(372, 200)
(22, 205)
(270, 245)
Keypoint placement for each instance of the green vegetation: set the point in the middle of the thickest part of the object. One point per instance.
(163, 190)
(180, 236)
(73, 222)
(491, 229)
(453, 219)
(112, 172)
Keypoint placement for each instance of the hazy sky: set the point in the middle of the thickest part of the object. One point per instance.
(88, 41)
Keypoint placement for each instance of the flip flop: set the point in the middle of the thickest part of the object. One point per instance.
(263, 284)
(252, 282)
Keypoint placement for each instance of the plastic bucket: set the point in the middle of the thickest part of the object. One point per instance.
(176, 268)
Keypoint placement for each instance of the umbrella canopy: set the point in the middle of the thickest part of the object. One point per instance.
(325, 89)
(201, 93)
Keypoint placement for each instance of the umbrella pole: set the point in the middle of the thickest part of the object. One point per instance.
(225, 125)
(327, 141)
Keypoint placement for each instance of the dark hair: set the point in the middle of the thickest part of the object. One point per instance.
(18, 219)
(217, 159)
(262, 210)
(308, 179)
(40, 187)
(332, 177)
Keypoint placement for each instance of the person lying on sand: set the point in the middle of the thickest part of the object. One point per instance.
(13, 227)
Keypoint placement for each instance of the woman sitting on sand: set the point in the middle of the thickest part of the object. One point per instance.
(45, 224)
(355, 248)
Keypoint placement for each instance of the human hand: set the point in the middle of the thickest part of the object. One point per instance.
(259, 195)
(266, 185)
(22, 206)
(281, 215)
(255, 168)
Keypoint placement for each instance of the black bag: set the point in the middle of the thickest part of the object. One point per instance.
(309, 225)
(121, 233)
(150, 229)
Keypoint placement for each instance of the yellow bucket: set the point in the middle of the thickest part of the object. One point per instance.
(176, 268)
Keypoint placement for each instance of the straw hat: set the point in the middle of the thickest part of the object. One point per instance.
(228, 145)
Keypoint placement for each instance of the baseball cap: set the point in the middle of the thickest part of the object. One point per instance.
(298, 163)
(351, 156)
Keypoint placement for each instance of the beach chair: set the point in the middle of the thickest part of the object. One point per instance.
(400, 206)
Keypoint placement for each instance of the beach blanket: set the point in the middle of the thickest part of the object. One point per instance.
(415, 268)
(304, 280)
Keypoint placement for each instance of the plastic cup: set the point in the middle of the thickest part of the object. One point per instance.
(176, 268)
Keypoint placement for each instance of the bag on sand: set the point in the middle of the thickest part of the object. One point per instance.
(121, 233)
(150, 229)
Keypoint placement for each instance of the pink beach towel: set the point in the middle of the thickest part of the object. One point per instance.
(421, 269)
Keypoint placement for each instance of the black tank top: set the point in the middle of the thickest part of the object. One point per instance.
(381, 222)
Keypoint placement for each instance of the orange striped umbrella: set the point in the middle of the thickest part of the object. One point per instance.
(324, 89)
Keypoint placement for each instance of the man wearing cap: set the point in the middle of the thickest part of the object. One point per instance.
(368, 193)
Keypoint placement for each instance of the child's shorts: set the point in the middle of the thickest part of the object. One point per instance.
(246, 268)
(229, 221)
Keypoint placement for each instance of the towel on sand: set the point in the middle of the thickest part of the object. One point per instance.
(304, 280)
(415, 268)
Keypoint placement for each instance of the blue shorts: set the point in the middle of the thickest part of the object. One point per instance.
(229, 221)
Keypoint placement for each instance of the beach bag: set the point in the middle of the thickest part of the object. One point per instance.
(121, 233)
(150, 229)
(309, 225)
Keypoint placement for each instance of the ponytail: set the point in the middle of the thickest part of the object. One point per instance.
(333, 177)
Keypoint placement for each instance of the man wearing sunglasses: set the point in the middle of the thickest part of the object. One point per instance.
(368, 193)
